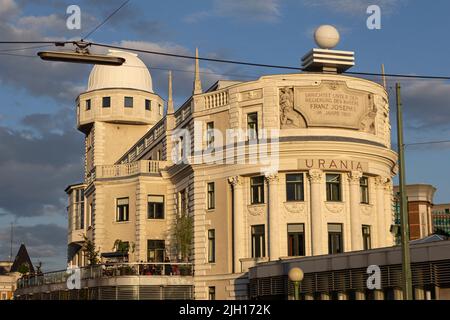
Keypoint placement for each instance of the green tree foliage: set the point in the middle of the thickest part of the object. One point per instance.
(89, 250)
(184, 233)
(24, 268)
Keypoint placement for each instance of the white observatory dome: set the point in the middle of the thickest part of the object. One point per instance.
(133, 74)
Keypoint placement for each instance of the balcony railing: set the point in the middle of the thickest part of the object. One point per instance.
(126, 169)
(102, 271)
(216, 99)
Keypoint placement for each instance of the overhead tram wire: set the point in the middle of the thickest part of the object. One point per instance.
(105, 20)
(245, 63)
(426, 143)
(252, 64)
(25, 48)
(17, 55)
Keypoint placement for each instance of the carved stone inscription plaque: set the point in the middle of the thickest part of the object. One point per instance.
(332, 104)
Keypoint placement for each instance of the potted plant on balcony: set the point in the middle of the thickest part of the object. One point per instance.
(123, 247)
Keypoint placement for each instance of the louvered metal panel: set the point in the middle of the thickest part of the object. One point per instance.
(177, 293)
(107, 293)
(150, 293)
(443, 272)
(348, 280)
(127, 293)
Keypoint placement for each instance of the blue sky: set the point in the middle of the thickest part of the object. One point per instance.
(41, 152)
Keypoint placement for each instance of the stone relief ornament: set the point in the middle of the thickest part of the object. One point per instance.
(368, 122)
(235, 181)
(334, 207)
(354, 176)
(333, 85)
(289, 117)
(366, 209)
(315, 176)
(251, 95)
(256, 210)
(294, 207)
(381, 181)
(272, 177)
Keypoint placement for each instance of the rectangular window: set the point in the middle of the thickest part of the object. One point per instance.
(212, 293)
(258, 241)
(106, 102)
(210, 135)
(158, 155)
(122, 209)
(79, 209)
(91, 215)
(160, 109)
(128, 102)
(334, 187)
(257, 190)
(252, 126)
(296, 240)
(335, 240)
(364, 187)
(183, 202)
(367, 242)
(82, 215)
(155, 209)
(294, 187)
(148, 105)
(155, 250)
(211, 196)
(211, 246)
(88, 104)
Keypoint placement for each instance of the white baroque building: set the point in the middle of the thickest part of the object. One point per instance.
(327, 188)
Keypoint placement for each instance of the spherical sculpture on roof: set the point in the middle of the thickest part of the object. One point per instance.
(133, 74)
(326, 36)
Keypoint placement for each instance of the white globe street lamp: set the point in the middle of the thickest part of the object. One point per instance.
(296, 276)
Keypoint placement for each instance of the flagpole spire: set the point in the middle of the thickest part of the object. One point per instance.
(170, 109)
(197, 81)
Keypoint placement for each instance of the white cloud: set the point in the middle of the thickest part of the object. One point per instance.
(354, 6)
(427, 105)
(8, 9)
(259, 10)
(52, 21)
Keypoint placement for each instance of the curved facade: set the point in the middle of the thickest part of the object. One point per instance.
(308, 172)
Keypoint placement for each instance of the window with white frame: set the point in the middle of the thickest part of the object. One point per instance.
(123, 209)
(211, 196)
(252, 126)
(155, 207)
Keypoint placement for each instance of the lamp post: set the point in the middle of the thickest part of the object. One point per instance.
(404, 219)
(296, 276)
